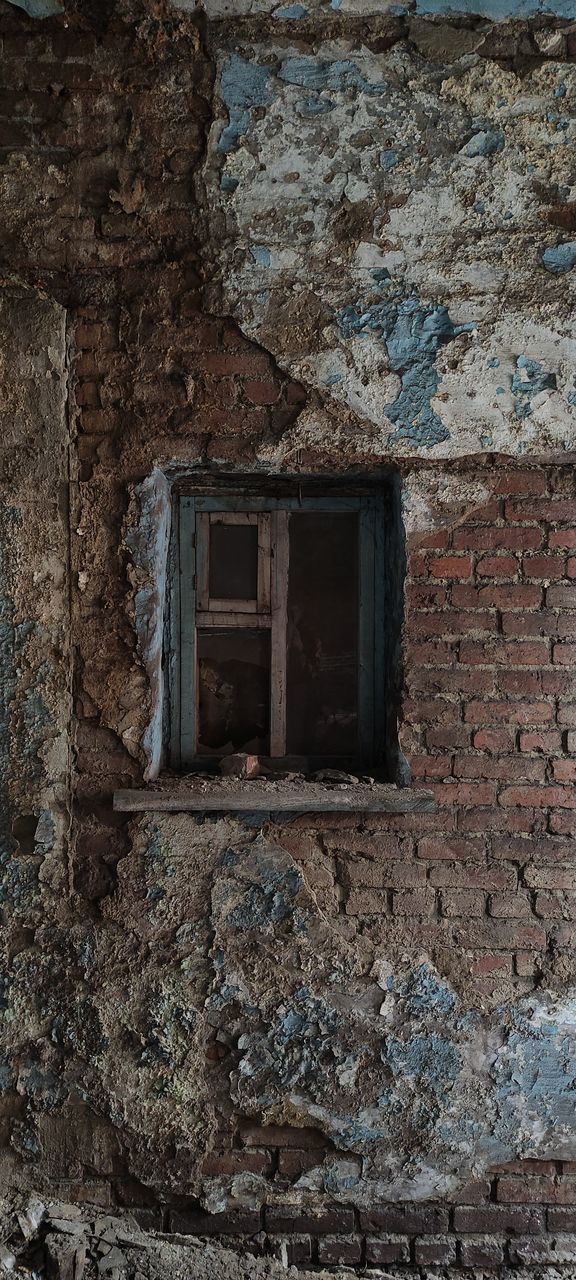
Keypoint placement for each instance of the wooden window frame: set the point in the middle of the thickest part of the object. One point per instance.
(192, 608)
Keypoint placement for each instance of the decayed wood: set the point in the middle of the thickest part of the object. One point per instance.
(256, 621)
(266, 797)
(202, 559)
(280, 557)
(264, 563)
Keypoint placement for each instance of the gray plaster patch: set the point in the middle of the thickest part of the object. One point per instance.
(360, 194)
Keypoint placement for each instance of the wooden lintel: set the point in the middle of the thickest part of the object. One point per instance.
(270, 797)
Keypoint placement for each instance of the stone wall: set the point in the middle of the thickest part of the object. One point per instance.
(336, 1038)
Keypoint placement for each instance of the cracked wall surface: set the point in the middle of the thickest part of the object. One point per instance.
(238, 239)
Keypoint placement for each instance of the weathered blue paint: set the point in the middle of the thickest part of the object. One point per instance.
(388, 159)
(528, 381)
(412, 331)
(228, 183)
(39, 8)
(291, 11)
(484, 143)
(431, 1059)
(243, 85)
(261, 255)
(561, 258)
(314, 73)
(499, 10)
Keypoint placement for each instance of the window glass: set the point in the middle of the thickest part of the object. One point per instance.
(233, 691)
(233, 561)
(322, 665)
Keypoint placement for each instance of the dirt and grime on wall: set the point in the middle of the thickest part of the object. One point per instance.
(181, 995)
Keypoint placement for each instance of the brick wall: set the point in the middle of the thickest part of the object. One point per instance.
(100, 136)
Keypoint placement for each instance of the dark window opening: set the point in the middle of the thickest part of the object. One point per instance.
(285, 625)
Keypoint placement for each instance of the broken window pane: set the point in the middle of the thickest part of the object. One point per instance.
(233, 691)
(233, 561)
(322, 670)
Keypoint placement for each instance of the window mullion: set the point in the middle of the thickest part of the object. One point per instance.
(187, 593)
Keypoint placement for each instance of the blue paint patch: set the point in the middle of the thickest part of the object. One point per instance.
(228, 183)
(291, 11)
(493, 363)
(268, 903)
(423, 992)
(500, 10)
(243, 85)
(560, 91)
(261, 255)
(484, 143)
(478, 206)
(528, 381)
(412, 332)
(388, 159)
(314, 73)
(561, 258)
(430, 1059)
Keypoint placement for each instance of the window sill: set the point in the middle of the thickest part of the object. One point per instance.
(264, 796)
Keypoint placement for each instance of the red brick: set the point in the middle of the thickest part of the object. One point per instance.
(550, 877)
(482, 1252)
(473, 877)
(525, 683)
(457, 735)
(566, 715)
(536, 1190)
(540, 797)
(497, 567)
(571, 741)
(334, 1251)
(499, 935)
(482, 966)
(547, 567)
(288, 1220)
(571, 567)
(429, 596)
(437, 541)
(410, 1219)
(495, 740)
(450, 622)
(222, 1163)
(501, 769)
(430, 680)
(381, 1253)
(198, 1223)
(555, 905)
(451, 793)
(522, 482)
(509, 906)
(463, 903)
(564, 770)
(248, 365)
(367, 902)
(492, 539)
(496, 819)
(495, 1218)
(415, 902)
(451, 566)
(548, 742)
(563, 538)
(563, 824)
(543, 623)
(261, 392)
(99, 337)
(561, 597)
(513, 653)
(549, 510)
(561, 1219)
(434, 1252)
(292, 1164)
(450, 848)
(431, 653)
(511, 596)
(531, 713)
(565, 654)
(271, 1135)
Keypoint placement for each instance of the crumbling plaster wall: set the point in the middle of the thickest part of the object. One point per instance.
(158, 1005)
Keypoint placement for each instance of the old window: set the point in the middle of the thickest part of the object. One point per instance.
(284, 627)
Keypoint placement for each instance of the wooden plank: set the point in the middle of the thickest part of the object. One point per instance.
(264, 563)
(239, 503)
(255, 621)
(188, 682)
(202, 559)
(265, 797)
(234, 517)
(381, 633)
(366, 536)
(280, 564)
(231, 606)
(174, 638)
